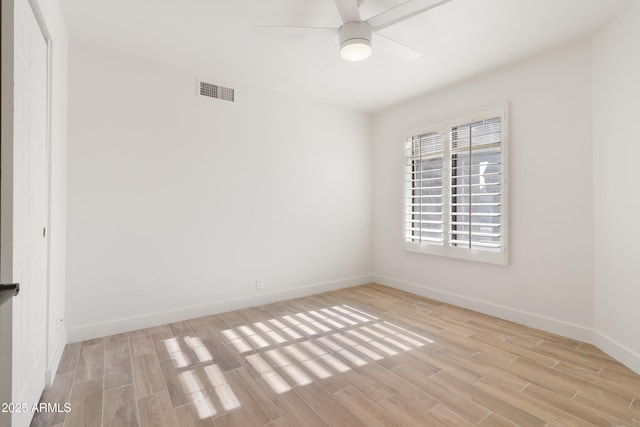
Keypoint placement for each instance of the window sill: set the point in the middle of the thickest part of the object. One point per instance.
(485, 257)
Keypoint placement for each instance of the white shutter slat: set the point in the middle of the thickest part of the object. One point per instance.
(412, 221)
(466, 223)
(479, 234)
(476, 204)
(497, 184)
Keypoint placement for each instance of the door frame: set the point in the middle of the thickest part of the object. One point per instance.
(44, 29)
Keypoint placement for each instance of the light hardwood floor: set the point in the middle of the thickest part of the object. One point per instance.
(363, 356)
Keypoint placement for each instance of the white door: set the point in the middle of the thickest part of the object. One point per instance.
(29, 211)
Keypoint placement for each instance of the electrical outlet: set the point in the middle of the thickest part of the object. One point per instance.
(259, 284)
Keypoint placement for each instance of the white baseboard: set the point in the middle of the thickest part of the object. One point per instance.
(613, 348)
(97, 330)
(544, 323)
(54, 361)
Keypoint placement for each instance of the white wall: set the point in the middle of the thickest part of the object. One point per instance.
(548, 282)
(616, 149)
(56, 335)
(176, 204)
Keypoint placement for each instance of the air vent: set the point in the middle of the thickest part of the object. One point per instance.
(219, 92)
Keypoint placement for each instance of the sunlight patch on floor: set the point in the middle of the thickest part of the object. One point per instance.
(337, 338)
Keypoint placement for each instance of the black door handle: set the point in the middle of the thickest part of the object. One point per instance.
(8, 291)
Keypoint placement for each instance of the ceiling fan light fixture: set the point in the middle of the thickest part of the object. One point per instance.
(355, 40)
(355, 49)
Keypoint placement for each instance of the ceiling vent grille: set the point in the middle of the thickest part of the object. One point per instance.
(215, 91)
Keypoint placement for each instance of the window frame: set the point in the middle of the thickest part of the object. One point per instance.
(446, 250)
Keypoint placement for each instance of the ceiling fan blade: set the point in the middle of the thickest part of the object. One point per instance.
(330, 53)
(348, 10)
(403, 11)
(293, 27)
(392, 47)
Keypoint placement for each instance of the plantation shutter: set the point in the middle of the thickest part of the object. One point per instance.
(424, 196)
(475, 199)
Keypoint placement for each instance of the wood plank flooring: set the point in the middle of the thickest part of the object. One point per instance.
(363, 356)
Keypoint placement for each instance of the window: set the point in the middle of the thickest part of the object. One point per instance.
(455, 198)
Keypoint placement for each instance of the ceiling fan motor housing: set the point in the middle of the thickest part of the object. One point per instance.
(355, 38)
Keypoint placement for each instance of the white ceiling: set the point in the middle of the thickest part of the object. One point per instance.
(216, 37)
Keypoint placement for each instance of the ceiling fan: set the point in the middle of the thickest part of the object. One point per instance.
(355, 35)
